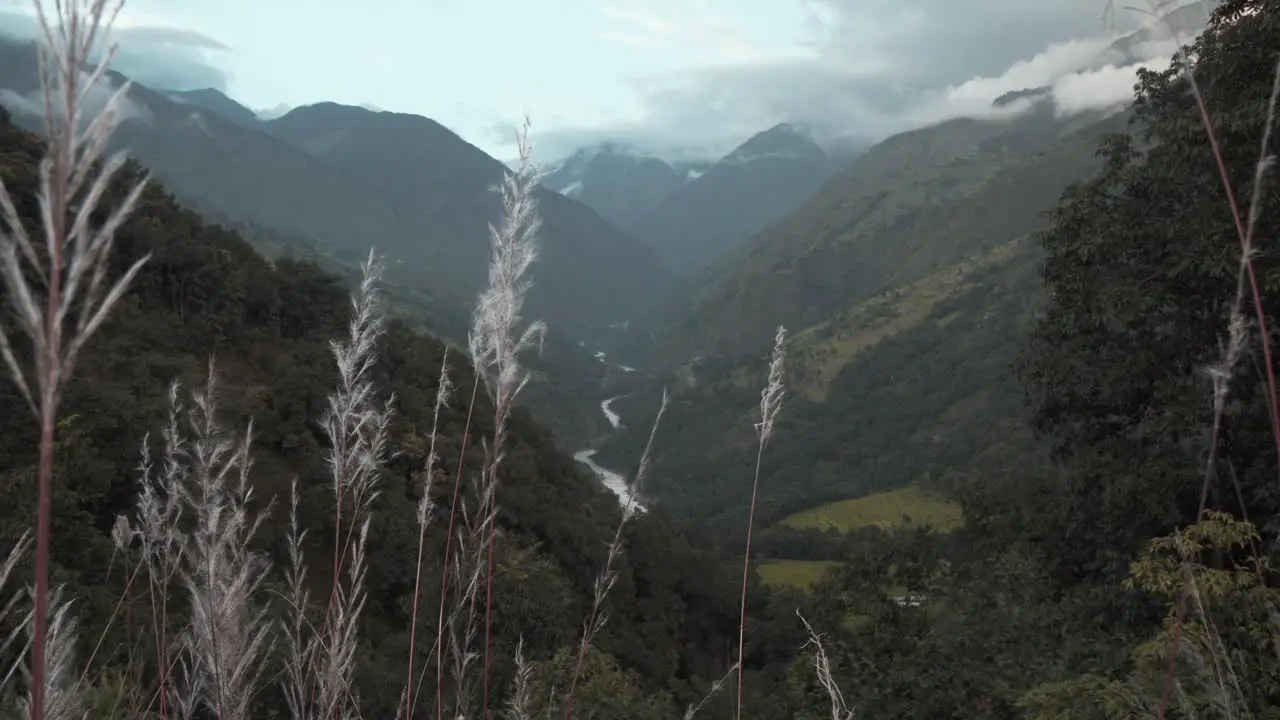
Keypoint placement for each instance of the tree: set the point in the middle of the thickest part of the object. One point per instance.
(1140, 270)
(604, 692)
(1220, 660)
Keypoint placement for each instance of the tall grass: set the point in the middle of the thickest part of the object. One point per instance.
(57, 287)
(191, 535)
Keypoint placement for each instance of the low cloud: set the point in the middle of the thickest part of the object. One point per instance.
(92, 104)
(879, 67)
(1111, 86)
(162, 58)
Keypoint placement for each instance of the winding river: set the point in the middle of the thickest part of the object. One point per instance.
(615, 482)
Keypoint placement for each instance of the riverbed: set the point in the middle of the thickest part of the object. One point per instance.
(615, 482)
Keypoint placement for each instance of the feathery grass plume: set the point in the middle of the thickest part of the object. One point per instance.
(608, 576)
(10, 615)
(774, 389)
(228, 633)
(770, 404)
(518, 705)
(62, 691)
(299, 644)
(444, 391)
(320, 669)
(158, 509)
(496, 338)
(840, 710)
(58, 289)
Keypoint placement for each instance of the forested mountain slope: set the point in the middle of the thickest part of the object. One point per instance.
(903, 334)
(401, 183)
(911, 205)
(206, 294)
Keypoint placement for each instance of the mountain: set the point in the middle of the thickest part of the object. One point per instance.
(618, 182)
(350, 178)
(900, 211)
(760, 182)
(206, 292)
(274, 182)
(216, 103)
(590, 274)
(907, 283)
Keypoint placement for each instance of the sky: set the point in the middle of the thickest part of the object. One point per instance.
(680, 77)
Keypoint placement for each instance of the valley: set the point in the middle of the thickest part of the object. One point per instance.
(1026, 407)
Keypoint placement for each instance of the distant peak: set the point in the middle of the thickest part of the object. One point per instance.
(210, 93)
(788, 129)
(1014, 95)
(216, 102)
(784, 140)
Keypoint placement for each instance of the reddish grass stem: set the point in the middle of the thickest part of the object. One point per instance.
(448, 547)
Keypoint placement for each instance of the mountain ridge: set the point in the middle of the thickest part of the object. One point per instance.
(757, 183)
(595, 274)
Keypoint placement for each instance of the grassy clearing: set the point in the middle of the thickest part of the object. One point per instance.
(895, 508)
(799, 574)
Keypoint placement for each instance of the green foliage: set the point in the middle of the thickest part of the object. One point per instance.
(1140, 267)
(933, 405)
(604, 691)
(205, 293)
(914, 204)
(1216, 653)
(1026, 608)
(799, 574)
(911, 506)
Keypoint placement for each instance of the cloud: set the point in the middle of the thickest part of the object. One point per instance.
(872, 68)
(695, 28)
(160, 57)
(1110, 87)
(92, 104)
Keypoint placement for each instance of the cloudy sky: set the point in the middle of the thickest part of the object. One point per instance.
(677, 75)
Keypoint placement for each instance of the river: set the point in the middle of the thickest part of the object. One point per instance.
(615, 482)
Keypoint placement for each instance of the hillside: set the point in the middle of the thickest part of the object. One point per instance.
(912, 386)
(216, 103)
(401, 183)
(759, 182)
(204, 293)
(906, 307)
(592, 274)
(911, 205)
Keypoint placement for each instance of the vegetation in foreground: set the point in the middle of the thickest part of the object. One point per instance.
(1130, 576)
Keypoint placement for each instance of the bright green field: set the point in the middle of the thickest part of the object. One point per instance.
(895, 508)
(799, 574)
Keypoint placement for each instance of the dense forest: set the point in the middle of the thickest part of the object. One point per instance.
(1095, 399)
(206, 295)
(1119, 524)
